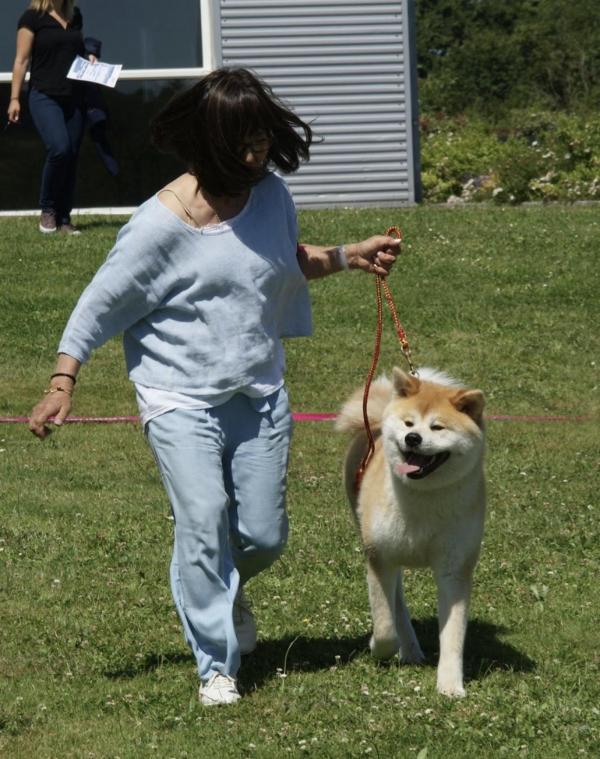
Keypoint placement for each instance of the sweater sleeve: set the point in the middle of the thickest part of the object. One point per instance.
(131, 283)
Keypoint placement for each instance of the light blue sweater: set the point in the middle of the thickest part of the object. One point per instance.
(202, 310)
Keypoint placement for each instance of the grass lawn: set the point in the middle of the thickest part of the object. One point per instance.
(92, 661)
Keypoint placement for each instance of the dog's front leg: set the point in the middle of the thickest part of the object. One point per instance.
(382, 581)
(453, 606)
(410, 650)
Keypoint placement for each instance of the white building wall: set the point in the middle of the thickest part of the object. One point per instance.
(346, 67)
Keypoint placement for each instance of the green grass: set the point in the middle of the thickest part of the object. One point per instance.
(92, 662)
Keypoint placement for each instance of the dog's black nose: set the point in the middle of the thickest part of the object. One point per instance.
(413, 439)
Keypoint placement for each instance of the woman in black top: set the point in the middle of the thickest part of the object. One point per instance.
(48, 39)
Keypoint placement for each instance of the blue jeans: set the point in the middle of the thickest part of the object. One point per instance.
(59, 122)
(224, 470)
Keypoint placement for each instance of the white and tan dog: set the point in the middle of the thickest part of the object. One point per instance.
(421, 503)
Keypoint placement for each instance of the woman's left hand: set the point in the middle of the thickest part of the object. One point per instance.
(376, 255)
(92, 58)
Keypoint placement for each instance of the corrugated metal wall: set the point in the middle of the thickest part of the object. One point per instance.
(346, 67)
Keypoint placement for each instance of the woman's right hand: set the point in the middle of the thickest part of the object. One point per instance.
(14, 111)
(56, 404)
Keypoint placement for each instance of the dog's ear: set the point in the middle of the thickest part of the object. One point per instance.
(404, 384)
(470, 402)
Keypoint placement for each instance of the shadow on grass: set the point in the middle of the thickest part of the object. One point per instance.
(110, 223)
(485, 652)
(149, 663)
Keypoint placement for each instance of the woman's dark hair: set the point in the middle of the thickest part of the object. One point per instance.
(208, 125)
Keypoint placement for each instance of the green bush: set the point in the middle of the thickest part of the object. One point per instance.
(491, 56)
(529, 156)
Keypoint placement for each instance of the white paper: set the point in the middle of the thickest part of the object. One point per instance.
(98, 73)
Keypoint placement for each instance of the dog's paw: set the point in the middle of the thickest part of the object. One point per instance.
(453, 690)
(450, 677)
(384, 648)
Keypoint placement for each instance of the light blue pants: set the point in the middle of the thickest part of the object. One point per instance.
(224, 470)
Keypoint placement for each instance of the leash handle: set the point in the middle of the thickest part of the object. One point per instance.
(380, 283)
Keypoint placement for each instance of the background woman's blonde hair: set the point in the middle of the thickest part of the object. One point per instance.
(45, 6)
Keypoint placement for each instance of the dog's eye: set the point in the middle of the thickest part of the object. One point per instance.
(408, 423)
(437, 427)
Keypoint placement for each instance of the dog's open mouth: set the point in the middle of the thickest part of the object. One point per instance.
(418, 465)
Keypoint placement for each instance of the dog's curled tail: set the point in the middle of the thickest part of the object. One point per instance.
(350, 418)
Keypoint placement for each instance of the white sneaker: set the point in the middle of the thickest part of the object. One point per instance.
(220, 689)
(244, 623)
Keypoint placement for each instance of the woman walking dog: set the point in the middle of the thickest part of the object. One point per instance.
(48, 40)
(204, 281)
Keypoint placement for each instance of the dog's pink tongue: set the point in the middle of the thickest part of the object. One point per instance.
(406, 468)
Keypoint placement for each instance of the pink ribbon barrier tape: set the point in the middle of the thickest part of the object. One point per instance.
(298, 417)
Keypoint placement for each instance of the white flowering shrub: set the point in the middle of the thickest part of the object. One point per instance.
(533, 156)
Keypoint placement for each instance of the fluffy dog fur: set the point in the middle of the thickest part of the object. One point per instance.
(421, 503)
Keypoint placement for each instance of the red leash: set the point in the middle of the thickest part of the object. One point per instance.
(380, 283)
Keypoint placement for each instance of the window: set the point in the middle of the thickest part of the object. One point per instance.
(11, 12)
(145, 34)
(160, 46)
(140, 34)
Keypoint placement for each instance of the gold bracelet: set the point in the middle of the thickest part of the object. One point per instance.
(58, 389)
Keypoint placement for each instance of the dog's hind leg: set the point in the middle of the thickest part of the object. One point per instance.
(410, 650)
(453, 604)
(382, 582)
